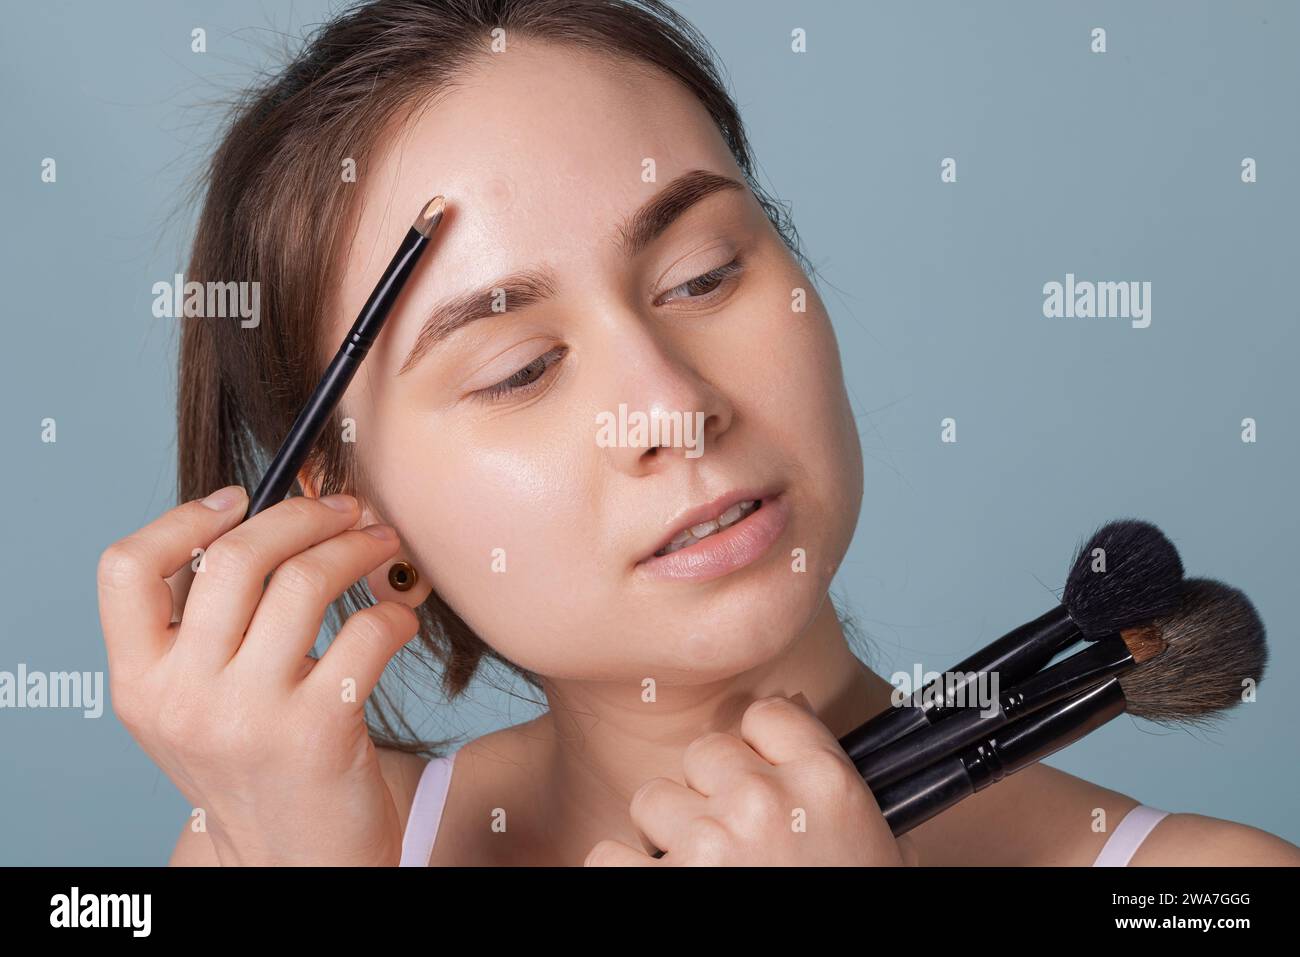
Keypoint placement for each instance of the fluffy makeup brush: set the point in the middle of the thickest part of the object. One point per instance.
(1213, 646)
(1215, 641)
(1126, 574)
(1180, 668)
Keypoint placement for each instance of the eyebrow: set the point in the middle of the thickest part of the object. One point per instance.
(529, 286)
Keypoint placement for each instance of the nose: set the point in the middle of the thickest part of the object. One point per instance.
(662, 410)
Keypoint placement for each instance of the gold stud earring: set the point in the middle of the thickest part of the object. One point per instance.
(402, 576)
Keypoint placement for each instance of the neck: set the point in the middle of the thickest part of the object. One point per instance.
(604, 741)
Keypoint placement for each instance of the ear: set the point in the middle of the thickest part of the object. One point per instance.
(379, 581)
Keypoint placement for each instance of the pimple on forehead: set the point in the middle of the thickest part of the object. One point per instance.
(499, 192)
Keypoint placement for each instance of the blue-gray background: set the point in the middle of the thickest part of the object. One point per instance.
(1115, 166)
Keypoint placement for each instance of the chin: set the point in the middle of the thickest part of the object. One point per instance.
(735, 631)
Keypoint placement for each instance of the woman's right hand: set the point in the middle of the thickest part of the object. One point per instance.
(269, 742)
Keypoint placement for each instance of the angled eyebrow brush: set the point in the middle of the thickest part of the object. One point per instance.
(306, 429)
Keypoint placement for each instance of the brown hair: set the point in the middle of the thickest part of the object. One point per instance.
(276, 211)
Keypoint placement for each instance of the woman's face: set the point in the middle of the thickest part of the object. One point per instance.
(498, 455)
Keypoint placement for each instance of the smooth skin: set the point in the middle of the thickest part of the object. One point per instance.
(267, 741)
(719, 766)
(228, 701)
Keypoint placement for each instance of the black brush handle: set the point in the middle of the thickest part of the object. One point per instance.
(882, 767)
(923, 748)
(920, 796)
(1025, 741)
(1016, 655)
(297, 445)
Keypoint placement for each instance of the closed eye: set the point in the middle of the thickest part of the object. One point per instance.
(704, 286)
(526, 379)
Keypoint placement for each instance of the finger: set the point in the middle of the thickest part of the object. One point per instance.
(353, 664)
(180, 584)
(611, 853)
(303, 667)
(661, 809)
(289, 616)
(135, 600)
(233, 569)
(780, 730)
(713, 759)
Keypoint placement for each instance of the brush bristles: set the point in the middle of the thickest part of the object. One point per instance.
(1126, 574)
(430, 216)
(1215, 643)
(1144, 642)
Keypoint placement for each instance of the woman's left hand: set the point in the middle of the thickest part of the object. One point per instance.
(782, 792)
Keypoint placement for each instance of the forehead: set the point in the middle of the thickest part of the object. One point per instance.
(540, 152)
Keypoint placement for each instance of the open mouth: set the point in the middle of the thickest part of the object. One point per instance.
(697, 533)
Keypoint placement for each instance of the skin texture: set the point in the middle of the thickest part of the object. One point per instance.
(268, 744)
(526, 475)
(713, 766)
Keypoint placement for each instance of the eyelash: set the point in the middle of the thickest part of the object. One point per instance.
(718, 276)
(520, 383)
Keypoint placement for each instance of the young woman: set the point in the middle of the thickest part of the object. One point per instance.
(605, 247)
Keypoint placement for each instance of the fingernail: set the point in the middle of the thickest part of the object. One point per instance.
(380, 531)
(223, 498)
(340, 503)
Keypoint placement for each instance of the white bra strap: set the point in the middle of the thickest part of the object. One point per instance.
(1128, 836)
(426, 811)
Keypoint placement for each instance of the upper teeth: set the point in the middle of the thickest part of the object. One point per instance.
(689, 536)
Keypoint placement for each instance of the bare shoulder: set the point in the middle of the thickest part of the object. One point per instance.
(1038, 817)
(401, 771)
(497, 772)
(1046, 817)
(1194, 840)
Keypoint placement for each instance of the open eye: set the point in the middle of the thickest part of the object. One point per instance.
(526, 378)
(703, 286)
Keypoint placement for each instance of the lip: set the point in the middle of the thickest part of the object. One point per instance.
(725, 551)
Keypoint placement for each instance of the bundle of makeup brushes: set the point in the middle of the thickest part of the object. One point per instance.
(1160, 647)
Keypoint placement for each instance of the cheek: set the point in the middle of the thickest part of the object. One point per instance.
(505, 530)
(801, 408)
(489, 514)
(797, 389)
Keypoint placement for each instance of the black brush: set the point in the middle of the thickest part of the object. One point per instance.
(1192, 661)
(297, 445)
(1104, 659)
(1141, 580)
(1214, 649)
